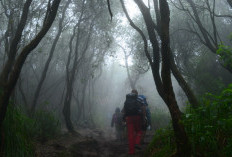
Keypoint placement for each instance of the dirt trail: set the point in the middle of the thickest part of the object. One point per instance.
(91, 143)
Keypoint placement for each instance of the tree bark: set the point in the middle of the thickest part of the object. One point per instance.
(181, 81)
(182, 142)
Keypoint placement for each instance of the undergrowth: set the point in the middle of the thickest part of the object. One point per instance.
(21, 132)
(17, 135)
(162, 144)
(209, 128)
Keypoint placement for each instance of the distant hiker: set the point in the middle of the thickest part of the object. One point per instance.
(117, 121)
(134, 115)
(147, 120)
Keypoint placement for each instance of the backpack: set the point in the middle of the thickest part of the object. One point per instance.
(142, 99)
(131, 105)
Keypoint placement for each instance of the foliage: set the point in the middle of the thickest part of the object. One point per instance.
(46, 125)
(17, 134)
(162, 144)
(209, 128)
(205, 68)
(225, 53)
(20, 131)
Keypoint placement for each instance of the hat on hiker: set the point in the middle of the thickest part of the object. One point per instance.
(117, 110)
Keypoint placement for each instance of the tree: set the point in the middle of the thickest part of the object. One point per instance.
(207, 33)
(13, 66)
(132, 78)
(44, 73)
(81, 37)
(163, 82)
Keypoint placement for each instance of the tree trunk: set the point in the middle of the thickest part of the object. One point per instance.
(132, 83)
(67, 114)
(164, 86)
(9, 78)
(67, 101)
(183, 84)
(24, 98)
(14, 44)
(9, 75)
(76, 61)
(182, 142)
(83, 100)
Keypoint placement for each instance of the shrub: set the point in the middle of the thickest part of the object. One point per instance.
(16, 134)
(162, 144)
(20, 131)
(46, 125)
(209, 128)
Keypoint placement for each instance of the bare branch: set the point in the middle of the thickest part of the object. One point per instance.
(138, 30)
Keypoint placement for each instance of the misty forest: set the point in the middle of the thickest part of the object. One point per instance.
(68, 66)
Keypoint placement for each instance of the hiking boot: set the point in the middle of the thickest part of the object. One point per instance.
(137, 147)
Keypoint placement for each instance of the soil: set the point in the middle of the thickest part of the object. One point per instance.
(88, 143)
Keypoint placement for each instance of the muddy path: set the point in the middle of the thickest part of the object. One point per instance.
(90, 143)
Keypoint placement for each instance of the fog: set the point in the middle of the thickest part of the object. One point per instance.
(85, 58)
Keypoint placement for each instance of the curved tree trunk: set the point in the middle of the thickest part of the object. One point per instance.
(9, 76)
(181, 81)
(182, 142)
(183, 84)
(11, 70)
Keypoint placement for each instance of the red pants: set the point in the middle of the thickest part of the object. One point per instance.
(134, 131)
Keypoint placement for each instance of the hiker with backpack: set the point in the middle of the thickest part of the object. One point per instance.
(147, 123)
(117, 121)
(134, 115)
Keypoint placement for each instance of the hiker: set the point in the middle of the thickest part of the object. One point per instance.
(134, 115)
(147, 122)
(117, 121)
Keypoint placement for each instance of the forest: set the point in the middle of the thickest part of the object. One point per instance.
(67, 66)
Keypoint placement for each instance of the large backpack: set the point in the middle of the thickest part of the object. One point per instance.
(142, 99)
(131, 105)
